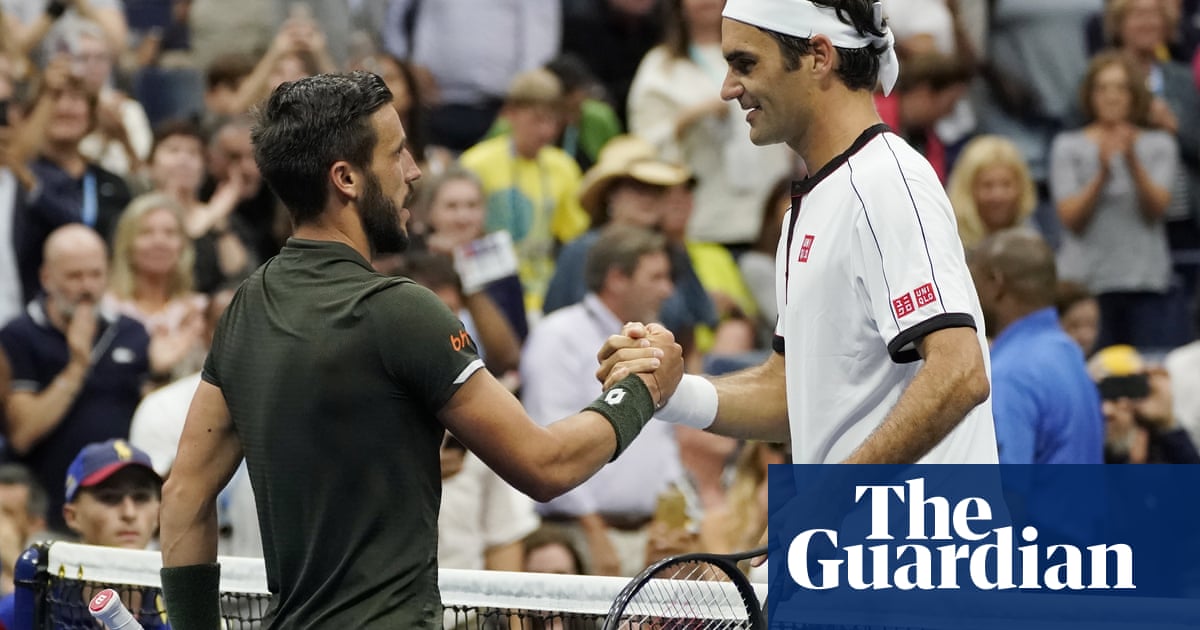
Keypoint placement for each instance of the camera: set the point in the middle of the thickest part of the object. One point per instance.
(1133, 386)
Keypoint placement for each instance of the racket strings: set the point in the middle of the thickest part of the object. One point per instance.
(688, 595)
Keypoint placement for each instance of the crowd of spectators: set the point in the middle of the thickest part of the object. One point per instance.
(581, 170)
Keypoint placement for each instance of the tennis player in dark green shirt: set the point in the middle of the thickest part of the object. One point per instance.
(336, 383)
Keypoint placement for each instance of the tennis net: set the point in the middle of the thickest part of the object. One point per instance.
(56, 580)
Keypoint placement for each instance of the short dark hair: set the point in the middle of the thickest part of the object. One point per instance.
(1022, 257)
(619, 247)
(177, 127)
(432, 270)
(572, 72)
(858, 68)
(307, 125)
(1068, 293)
(38, 502)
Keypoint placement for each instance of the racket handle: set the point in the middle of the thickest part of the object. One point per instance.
(107, 607)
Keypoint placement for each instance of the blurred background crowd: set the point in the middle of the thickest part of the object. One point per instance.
(580, 170)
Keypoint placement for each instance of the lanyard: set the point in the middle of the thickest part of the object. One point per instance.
(1154, 80)
(570, 139)
(90, 209)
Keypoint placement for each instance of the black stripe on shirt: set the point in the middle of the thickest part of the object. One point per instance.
(897, 346)
(882, 267)
(920, 224)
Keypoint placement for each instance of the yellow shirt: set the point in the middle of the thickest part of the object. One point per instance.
(536, 200)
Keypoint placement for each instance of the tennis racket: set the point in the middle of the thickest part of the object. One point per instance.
(107, 607)
(690, 591)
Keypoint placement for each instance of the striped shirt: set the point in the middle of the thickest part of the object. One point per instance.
(869, 263)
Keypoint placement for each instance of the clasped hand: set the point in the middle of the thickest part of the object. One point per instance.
(648, 350)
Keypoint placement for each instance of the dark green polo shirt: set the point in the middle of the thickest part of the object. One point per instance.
(333, 375)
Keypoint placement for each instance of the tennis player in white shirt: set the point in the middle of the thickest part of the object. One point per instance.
(880, 352)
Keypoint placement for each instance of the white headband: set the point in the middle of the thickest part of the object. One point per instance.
(801, 18)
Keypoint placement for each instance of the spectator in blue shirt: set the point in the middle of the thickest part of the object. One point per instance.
(1045, 405)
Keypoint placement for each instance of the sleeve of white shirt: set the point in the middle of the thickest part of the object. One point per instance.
(541, 24)
(910, 259)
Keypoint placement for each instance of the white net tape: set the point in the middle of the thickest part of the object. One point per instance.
(468, 589)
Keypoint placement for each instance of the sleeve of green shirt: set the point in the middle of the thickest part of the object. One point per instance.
(210, 373)
(424, 346)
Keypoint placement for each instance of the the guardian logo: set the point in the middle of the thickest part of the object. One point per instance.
(975, 555)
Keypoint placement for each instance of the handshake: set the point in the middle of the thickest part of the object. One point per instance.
(647, 350)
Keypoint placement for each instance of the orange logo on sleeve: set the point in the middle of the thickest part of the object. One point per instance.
(460, 341)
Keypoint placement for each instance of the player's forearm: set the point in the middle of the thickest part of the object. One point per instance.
(752, 403)
(188, 525)
(942, 393)
(584, 443)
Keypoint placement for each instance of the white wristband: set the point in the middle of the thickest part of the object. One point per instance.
(693, 404)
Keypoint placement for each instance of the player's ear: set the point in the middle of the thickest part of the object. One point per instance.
(823, 57)
(345, 179)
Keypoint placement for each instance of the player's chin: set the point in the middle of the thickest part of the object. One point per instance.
(759, 136)
(765, 134)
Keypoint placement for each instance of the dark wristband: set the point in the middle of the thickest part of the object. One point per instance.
(192, 596)
(628, 406)
(55, 9)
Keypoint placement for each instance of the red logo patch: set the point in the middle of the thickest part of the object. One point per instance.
(806, 247)
(903, 305)
(925, 294)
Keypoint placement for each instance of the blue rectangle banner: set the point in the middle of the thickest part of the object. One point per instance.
(982, 547)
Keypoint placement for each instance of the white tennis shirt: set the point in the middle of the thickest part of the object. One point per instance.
(870, 262)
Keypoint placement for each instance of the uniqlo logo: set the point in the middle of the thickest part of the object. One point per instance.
(903, 305)
(806, 247)
(925, 294)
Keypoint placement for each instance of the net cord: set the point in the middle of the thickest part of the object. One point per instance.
(582, 594)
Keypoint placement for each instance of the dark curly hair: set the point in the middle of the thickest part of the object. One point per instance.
(858, 68)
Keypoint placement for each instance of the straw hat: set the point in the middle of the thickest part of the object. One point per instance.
(622, 157)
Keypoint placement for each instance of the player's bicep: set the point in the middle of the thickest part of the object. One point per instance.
(209, 449)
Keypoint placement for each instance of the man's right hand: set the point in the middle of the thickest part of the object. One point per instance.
(81, 332)
(647, 350)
